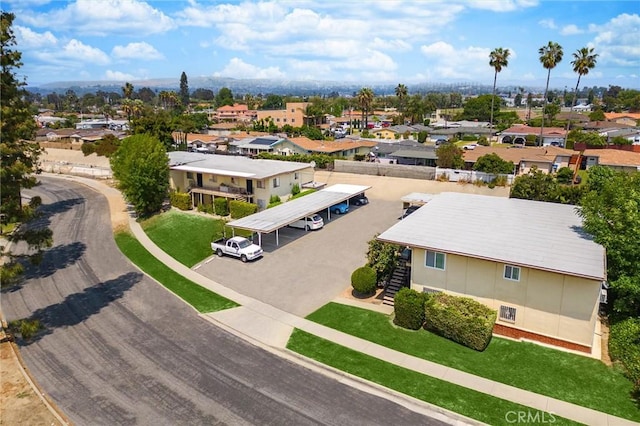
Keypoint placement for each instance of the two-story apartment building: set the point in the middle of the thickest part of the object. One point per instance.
(530, 261)
(294, 114)
(207, 176)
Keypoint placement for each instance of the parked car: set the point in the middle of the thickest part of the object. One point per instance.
(440, 142)
(359, 200)
(239, 247)
(406, 212)
(309, 223)
(470, 146)
(340, 208)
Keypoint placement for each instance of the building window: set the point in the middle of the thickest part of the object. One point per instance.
(434, 259)
(511, 273)
(293, 110)
(296, 176)
(293, 120)
(189, 175)
(276, 182)
(260, 184)
(507, 313)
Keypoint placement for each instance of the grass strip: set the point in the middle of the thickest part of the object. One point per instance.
(568, 377)
(470, 403)
(197, 296)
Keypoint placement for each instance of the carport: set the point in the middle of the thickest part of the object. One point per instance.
(273, 219)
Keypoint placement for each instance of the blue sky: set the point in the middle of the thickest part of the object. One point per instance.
(349, 41)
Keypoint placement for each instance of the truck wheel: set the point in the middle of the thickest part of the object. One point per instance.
(219, 252)
(243, 258)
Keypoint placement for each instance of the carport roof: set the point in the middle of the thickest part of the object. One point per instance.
(276, 217)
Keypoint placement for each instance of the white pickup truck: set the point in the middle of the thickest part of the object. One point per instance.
(237, 247)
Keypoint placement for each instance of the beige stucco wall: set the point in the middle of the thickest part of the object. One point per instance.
(293, 114)
(547, 303)
(526, 165)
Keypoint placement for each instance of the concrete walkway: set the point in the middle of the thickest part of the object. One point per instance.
(271, 327)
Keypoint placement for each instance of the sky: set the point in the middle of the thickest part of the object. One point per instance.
(387, 41)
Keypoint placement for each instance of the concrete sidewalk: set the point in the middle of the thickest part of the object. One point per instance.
(271, 327)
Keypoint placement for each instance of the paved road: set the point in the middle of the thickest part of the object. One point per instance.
(119, 349)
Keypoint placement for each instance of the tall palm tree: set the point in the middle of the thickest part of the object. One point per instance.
(365, 99)
(498, 58)
(550, 56)
(401, 93)
(127, 90)
(583, 60)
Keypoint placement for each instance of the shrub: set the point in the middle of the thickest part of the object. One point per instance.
(460, 319)
(26, 328)
(624, 347)
(500, 181)
(382, 257)
(274, 199)
(443, 177)
(478, 182)
(469, 138)
(482, 140)
(363, 280)
(564, 175)
(408, 306)
(240, 209)
(205, 208)
(302, 194)
(180, 200)
(88, 148)
(295, 189)
(221, 206)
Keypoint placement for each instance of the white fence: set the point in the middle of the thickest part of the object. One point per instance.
(469, 176)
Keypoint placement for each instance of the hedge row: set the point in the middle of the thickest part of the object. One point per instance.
(302, 194)
(240, 209)
(408, 306)
(221, 206)
(180, 200)
(624, 346)
(460, 319)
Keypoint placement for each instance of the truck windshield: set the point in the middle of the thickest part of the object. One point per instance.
(244, 243)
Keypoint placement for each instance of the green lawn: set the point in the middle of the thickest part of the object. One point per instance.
(187, 237)
(199, 297)
(470, 403)
(568, 377)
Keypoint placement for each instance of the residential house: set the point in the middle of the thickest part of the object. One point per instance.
(235, 113)
(341, 148)
(207, 176)
(628, 118)
(425, 156)
(294, 114)
(615, 158)
(221, 129)
(73, 138)
(518, 134)
(531, 261)
(197, 141)
(460, 132)
(546, 159)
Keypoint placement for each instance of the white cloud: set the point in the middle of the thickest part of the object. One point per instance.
(570, 30)
(501, 5)
(616, 41)
(118, 76)
(237, 68)
(104, 17)
(548, 23)
(27, 38)
(395, 45)
(470, 62)
(140, 50)
(73, 54)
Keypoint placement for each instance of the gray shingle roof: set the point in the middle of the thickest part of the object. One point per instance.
(532, 234)
(230, 165)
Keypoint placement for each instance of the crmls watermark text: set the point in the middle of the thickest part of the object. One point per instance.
(532, 417)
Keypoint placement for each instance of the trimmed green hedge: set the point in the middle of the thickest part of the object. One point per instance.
(221, 206)
(240, 209)
(180, 200)
(624, 347)
(408, 307)
(363, 280)
(460, 319)
(303, 193)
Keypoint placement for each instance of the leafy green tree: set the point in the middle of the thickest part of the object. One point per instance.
(564, 175)
(480, 108)
(584, 60)
(382, 257)
(449, 156)
(19, 160)
(141, 169)
(273, 102)
(551, 110)
(611, 213)
(498, 58)
(365, 100)
(550, 56)
(494, 164)
(127, 90)
(535, 185)
(422, 136)
(597, 115)
(401, 93)
(224, 97)
(184, 90)
(155, 123)
(629, 99)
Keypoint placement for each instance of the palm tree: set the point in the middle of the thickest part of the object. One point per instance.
(498, 58)
(401, 93)
(127, 90)
(550, 56)
(583, 60)
(365, 99)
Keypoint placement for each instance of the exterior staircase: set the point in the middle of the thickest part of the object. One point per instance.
(399, 279)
